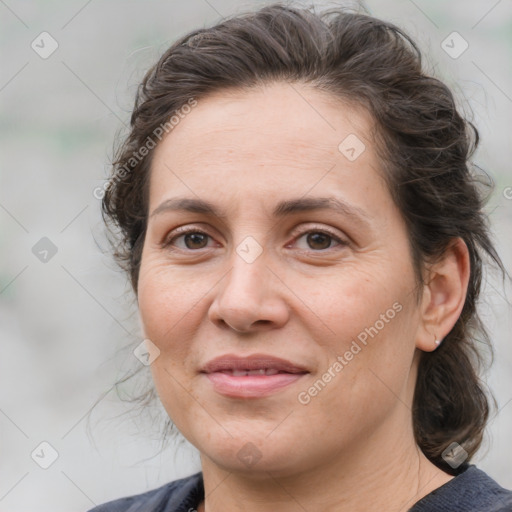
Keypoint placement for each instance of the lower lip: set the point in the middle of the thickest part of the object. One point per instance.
(251, 385)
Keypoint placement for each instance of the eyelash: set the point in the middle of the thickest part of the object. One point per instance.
(179, 232)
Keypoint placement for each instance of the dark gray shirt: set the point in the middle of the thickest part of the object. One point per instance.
(471, 490)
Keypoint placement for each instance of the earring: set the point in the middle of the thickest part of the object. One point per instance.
(438, 342)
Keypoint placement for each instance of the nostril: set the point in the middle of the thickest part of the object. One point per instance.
(262, 322)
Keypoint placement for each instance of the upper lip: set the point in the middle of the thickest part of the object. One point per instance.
(252, 362)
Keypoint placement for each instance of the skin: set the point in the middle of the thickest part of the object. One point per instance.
(351, 448)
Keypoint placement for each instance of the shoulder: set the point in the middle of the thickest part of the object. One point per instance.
(472, 490)
(175, 496)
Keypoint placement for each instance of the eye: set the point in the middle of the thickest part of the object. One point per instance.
(192, 239)
(320, 240)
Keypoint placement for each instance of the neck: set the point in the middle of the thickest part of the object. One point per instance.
(382, 473)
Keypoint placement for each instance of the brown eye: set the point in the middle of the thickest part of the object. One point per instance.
(317, 240)
(195, 240)
(191, 240)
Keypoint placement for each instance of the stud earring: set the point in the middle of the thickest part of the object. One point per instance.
(438, 342)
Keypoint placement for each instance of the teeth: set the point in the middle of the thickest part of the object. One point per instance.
(243, 373)
(256, 372)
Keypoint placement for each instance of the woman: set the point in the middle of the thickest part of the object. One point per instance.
(305, 240)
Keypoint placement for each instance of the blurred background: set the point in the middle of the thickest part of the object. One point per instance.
(68, 322)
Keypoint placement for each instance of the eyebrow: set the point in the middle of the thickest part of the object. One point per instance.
(284, 208)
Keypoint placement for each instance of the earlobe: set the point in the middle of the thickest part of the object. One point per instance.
(428, 341)
(444, 295)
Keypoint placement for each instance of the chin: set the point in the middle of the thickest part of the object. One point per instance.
(255, 455)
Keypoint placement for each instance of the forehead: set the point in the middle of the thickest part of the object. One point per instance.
(275, 138)
(286, 116)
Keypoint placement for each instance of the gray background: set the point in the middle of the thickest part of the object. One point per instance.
(68, 325)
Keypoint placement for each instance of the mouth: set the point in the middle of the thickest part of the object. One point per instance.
(260, 371)
(255, 376)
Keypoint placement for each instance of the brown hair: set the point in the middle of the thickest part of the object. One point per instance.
(425, 146)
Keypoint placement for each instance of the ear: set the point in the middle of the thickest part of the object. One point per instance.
(444, 294)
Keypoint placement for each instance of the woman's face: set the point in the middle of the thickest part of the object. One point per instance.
(306, 260)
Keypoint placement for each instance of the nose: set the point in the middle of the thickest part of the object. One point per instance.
(250, 298)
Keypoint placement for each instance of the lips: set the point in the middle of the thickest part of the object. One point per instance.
(253, 363)
(255, 376)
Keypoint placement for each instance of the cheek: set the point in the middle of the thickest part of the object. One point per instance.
(168, 303)
(354, 300)
(372, 319)
(173, 391)
(169, 309)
